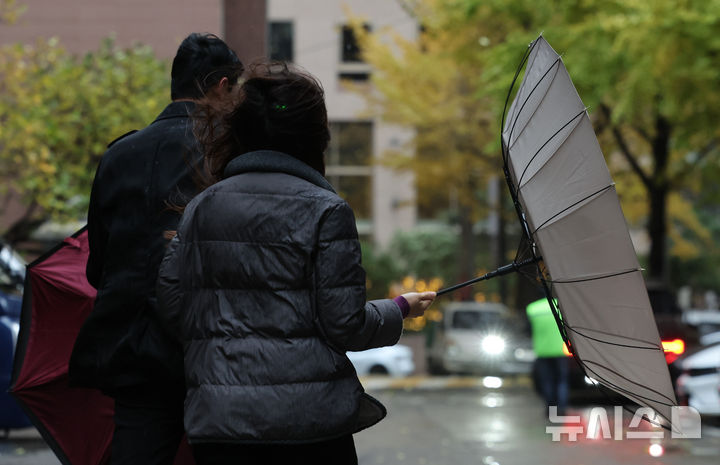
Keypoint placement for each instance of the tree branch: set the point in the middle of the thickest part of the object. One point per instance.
(690, 166)
(409, 7)
(625, 149)
(642, 133)
(21, 229)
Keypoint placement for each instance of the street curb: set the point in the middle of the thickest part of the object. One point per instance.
(426, 383)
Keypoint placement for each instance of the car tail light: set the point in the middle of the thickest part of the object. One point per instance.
(566, 351)
(673, 349)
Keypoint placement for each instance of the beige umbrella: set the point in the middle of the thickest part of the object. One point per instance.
(575, 221)
(571, 215)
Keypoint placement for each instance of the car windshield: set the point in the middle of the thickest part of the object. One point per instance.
(468, 319)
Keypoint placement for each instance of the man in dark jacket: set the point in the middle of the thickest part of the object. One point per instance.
(121, 349)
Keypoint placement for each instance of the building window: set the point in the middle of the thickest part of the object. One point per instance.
(350, 48)
(281, 41)
(352, 66)
(348, 163)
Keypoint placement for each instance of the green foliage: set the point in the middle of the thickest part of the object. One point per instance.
(59, 111)
(701, 271)
(423, 84)
(10, 10)
(381, 270)
(647, 71)
(426, 253)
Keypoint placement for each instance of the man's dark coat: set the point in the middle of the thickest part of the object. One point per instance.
(121, 348)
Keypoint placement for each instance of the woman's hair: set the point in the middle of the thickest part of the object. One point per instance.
(279, 108)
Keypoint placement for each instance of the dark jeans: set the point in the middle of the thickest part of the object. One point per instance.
(339, 451)
(146, 433)
(553, 378)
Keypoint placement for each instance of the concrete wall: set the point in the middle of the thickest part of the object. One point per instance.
(82, 24)
(244, 27)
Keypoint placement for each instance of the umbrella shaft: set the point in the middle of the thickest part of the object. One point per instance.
(503, 270)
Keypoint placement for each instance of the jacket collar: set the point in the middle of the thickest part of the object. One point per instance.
(272, 161)
(177, 110)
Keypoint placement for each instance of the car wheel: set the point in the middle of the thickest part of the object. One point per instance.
(435, 368)
(378, 370)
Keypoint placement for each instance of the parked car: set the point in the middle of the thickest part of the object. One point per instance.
(12, 275)
(12, 270)
(394, 360)
(479, 338)
(706, 321)
(710, 338)
(699, 382)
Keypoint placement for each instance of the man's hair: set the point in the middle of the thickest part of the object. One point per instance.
(202, 60)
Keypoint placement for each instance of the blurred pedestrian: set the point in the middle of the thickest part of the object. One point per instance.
(552, 367)
(121, 349)
(263, 284)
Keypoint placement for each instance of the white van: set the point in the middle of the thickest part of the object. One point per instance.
(479, 338)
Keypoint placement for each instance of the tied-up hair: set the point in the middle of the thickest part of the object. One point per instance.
(279, 107)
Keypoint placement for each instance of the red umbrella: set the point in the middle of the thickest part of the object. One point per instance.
(75, 422)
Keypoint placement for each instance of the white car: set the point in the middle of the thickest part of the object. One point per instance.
(394, 360)
(479, 338)
(699, 381)
(710, 338)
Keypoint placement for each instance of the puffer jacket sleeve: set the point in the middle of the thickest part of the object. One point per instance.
(346, 320)
(169, 293)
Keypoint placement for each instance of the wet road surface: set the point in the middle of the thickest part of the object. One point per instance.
(459, 421)
(507, 426)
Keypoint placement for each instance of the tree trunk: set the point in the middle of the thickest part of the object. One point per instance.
(658, 192)
(21, 229)
(657, 231)
(466, 259)
(501, 248)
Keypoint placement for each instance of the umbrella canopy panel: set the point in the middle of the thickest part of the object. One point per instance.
(575, 221)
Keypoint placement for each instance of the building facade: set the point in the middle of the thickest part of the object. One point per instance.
(314, 35)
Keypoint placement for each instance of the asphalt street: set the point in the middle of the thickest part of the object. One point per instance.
(461, 421)
(432, 423)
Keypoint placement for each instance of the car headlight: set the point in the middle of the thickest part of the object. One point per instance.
(493, 345)
(524, 355)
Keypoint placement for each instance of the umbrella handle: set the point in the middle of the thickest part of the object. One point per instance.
(503, 270)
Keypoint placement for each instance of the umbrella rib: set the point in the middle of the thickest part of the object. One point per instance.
(596, 193)
(614, 386)
(507, 99)
(594, 278)
(519, 183)
(579, 333)
(525, 59)
(527, 99)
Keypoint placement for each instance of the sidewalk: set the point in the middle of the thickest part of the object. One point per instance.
(422, 382)
(26, 447)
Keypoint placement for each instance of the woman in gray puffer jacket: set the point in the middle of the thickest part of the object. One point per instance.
(263, 286)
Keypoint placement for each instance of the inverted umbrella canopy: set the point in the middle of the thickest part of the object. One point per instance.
(77, 423)
(572, 218)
